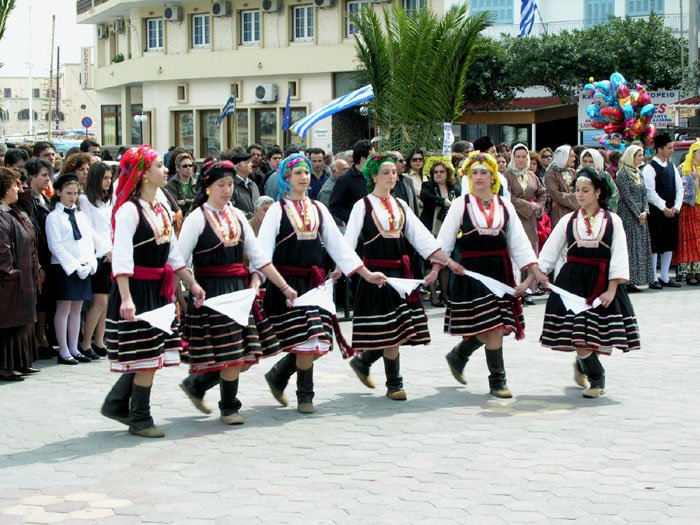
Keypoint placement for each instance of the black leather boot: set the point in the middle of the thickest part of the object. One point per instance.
(229, 404)
(497, 376)
(196, 385)
(305, 390)
(458, 357)
(278, 376)
(116, 404)
(593, 368)
(140, 420)
(361, 364)
(394, 381)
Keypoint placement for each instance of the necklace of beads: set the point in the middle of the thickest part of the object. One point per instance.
(305, 224)
(158, 209)
(386, 205)
(589, 221)
(220, 225)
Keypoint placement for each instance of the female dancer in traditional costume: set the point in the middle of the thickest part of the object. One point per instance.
(487, 233)
(383, 319)
(292, 231)
(594, 243)
(216, 236)
(145, 257)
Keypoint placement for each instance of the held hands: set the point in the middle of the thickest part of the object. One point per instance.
(127, 310)
(255, 282)
(520, 289)
(335, 274)
(198, 294)
(430, 278)
(456, 267)
(540, 276)
(669, 213)
(607, 298)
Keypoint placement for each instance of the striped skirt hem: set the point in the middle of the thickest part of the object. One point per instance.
(469, 318)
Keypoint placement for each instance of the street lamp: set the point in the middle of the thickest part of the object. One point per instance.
(140, 119)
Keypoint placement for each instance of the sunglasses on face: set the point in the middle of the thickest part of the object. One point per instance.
(417, 159)
(401, 160)
(185, 166)
(546, 156)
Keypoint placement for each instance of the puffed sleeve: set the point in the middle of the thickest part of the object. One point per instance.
(192, 228)
(355, 223)
(258, 257)
(54, 238)
(451, 225)
(270, 227)
(126, 221)
(554, 246)
(418, 235)
(619, 256)
(518, 243)
(339, 250)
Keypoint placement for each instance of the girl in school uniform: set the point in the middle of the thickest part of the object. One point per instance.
(70, 239)
(487, 233)
(145, 259)
(96, 203)
(383, 320)
(216, 235)
(292, 231)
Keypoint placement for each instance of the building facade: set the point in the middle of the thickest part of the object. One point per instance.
(178, 63)
(74, 103)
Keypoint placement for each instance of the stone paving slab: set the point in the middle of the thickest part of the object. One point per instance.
(450, 454)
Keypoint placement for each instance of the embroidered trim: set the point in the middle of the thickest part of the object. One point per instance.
(589, 243)
(311, 218)
(499, 213)
(397, 230)
(212, 218)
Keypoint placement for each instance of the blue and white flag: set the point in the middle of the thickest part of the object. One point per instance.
(229, 109)
(339, 104)
(287, 120)
(527, 16)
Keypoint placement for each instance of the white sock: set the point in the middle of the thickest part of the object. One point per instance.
(666, 265)
(654, 260)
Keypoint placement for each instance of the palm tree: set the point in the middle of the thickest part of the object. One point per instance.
(417, 65)
(5, 7)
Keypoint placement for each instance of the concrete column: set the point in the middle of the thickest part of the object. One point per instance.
(127, 120)
(692, 33)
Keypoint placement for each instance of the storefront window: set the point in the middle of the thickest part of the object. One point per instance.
(209, 134)
(184, 130)
(111, 125)
(238, 129)
(266, 127)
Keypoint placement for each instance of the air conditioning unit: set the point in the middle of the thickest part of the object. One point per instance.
(271, 6)
(118, 26)
(102, 31)
(172, 13)
(266, 93)
(324, 3)
(221, 8)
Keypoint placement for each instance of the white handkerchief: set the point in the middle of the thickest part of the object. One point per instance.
(573, 302)
(321, 296)
(160, 318)
(234, 305)
(403, 286)
(498, 288)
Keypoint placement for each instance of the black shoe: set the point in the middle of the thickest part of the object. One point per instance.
(82, 358)
(89, 353)
(655, 286)
(538, 293)
(28, 370)
(526, 300)
(305, 390)
(11, 377)
(278, 376)
(100, 351)
(70, 360)
(631, 288)
(458, 357)
(669, 284)
(46, 352)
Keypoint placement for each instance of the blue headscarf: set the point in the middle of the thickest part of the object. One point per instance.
(285, 169)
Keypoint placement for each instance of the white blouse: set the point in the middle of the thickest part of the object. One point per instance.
(416, 233)
(555, 247)
(516, 239)
(343, 255)
(126, 223)
(194, 225)
(100, 218)
(65, 250)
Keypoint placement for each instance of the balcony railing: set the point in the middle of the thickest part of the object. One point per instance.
(673, 22)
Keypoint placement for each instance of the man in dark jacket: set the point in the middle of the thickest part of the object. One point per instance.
(245, 191)
(404, 189)
(351, 186)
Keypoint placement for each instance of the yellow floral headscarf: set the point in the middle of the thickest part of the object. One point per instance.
(687, 166)
(475, 158)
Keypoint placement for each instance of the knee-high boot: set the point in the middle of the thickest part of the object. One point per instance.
(361, 364)
(305, 390)
(230, 404)
(278, 376)
(196, 385)
(394, 381)
(458, 357)
(593, 368)
(116, 404)
(497, 375)
(140, 420)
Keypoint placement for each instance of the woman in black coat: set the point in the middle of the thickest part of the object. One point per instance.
(437, 194)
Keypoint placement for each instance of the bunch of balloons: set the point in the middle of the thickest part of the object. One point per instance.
(625, 115)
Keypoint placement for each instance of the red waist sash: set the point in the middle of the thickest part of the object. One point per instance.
(602, 279)
(223, 270)
(165, 275)
(315, 274)
(382, 264)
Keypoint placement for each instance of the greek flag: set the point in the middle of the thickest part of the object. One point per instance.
(339, 104)
(527, 16)
(229, 109)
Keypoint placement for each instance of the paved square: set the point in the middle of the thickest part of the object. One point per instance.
(449, 454)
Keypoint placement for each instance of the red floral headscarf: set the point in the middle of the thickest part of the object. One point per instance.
(134, 163)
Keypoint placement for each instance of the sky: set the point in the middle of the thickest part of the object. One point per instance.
(15, 45)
